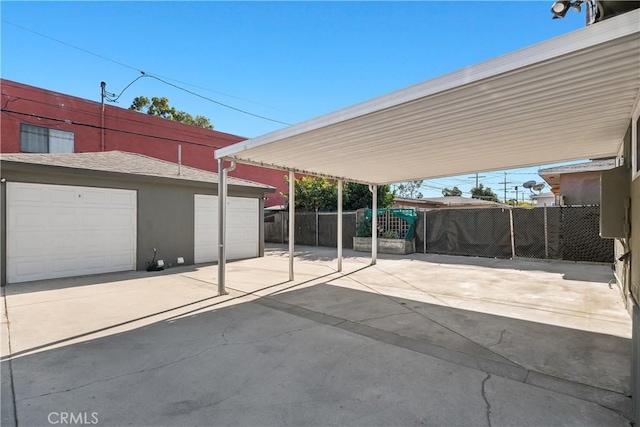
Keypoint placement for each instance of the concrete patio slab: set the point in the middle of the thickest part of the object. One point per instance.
(422, 340)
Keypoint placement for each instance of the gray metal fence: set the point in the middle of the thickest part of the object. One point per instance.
(312, 228)
(564, 233)
(568, 233)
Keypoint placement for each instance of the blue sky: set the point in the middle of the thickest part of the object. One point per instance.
(283, 60)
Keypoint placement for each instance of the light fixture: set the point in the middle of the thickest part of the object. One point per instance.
(559, 8)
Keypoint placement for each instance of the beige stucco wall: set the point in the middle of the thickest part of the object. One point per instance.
(634, 240)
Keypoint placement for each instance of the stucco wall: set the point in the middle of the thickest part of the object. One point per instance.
(634, 241)
(165, 209)
(580, 188)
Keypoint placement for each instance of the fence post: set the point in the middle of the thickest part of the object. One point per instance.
(317, 226)
(424, 230)
(282, 227)
(513, 241)
(546, 235)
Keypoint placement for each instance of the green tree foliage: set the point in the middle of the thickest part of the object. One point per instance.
(357, 196)
(455, 191)
(160, 107)
(314, 193)
(480, 192)
(409, 190)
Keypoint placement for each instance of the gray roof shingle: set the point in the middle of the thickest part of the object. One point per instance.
(127, 163)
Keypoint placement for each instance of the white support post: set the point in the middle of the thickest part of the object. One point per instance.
(374, 224)
(292, 221)
(339, 236)
(424, 227)
(222, 187)
(513, 242)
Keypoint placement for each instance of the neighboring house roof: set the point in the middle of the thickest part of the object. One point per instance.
(552, 175)
(126, 163)
(592, 166)
(543, 195)
(456, 201)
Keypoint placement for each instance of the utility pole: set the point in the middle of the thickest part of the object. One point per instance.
(477, 182)
(505, 182)
(103, 93)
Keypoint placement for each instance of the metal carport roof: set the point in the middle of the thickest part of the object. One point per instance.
(567, 98)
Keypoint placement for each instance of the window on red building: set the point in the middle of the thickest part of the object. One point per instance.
(37, 139)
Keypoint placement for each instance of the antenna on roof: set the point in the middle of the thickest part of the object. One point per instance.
(529, 184)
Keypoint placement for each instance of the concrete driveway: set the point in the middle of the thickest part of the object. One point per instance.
(420, 340)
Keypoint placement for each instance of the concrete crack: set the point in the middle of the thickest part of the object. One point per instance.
(500, 340)
(381, 317)
(486, 401)
(225, 330)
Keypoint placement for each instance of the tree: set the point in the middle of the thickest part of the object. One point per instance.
(160, 107)
(480, 192)
(313, 193)
(409, 190)
(455, 191)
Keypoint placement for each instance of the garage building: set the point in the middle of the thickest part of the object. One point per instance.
(88, 213)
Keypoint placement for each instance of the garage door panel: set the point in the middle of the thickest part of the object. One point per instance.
(63, 196)
(28, 196)
(243, 228)
(69, 231)
(27, 219)
(96, 198)
(29, 269)
(63, 218)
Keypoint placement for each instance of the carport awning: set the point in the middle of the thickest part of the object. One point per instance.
(567, 98)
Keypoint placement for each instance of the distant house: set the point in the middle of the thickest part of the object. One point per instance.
(445, 202)
(545, 199)
(577, 184)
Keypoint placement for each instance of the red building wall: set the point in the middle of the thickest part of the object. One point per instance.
(124, 130)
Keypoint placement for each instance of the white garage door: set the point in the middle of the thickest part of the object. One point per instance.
(63, 231)
(243, 230)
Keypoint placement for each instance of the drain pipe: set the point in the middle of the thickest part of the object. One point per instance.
(222, 223)
(374, 224)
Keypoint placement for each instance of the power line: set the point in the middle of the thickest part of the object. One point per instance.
(156, 76)
(86, 112)
(214, 101)
(72, 122)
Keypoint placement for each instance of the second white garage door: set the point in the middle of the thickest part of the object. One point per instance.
(63, 231)
(243, 228)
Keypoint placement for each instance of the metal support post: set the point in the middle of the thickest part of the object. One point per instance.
(374, 224)
(546, 235)
(222, 223)
(513, 241)
(424, 227)
(339, 236)
(292, 221)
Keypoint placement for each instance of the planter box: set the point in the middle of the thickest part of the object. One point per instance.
(385, 246)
